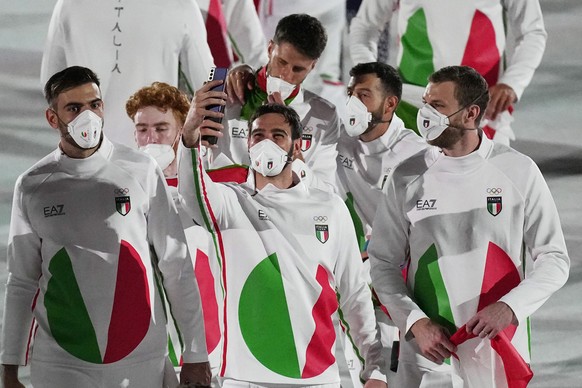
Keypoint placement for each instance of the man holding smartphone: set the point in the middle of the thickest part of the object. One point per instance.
(293, 52)
(286, 250)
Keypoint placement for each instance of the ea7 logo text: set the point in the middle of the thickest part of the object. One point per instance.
(426, 204)
(55, 210)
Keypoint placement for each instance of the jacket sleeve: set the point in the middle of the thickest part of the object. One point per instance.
(166, 236)
(322, 157)
(24, 270)
(205, 201)
(195, 56)
(526, 43)
(366, 27)
(54, 58)
(544, 241)
(245, 32)
(389, 253)
(355, 299)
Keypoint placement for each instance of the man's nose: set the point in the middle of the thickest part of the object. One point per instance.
(285, 73)
(152, 137)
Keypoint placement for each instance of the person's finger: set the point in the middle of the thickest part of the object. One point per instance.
(209, 85)
(478, 328)
(449, 346)
(241, 85)
(211, 127)
(210, 101)
(484, 333)
(275, 98)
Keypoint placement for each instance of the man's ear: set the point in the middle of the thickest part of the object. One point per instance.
(313, 64)
(297, 149)
(52, 118)
(473, 113)
(390, 105)
(270, 48)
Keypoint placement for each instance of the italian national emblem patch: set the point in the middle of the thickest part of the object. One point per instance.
(123, 205)
(322, 233)
(306, 141)
(494, 205)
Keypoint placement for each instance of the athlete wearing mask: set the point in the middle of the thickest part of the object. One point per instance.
(158, 112)
(92, 228)
(286, 249)
(375, 141)
(465, 219)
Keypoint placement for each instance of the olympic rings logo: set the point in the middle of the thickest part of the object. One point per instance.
(494, 190)
(320, 218)
(121, 191)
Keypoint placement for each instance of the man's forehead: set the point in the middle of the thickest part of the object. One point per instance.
(271, 121)
(289, 52)
(442, 91)
(81, 93)
(363, 81)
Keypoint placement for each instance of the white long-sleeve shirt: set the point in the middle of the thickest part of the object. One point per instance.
(445, 30)
(285, 253)
(463, 227)
(129, 44)
(363, 168)
(91, 240)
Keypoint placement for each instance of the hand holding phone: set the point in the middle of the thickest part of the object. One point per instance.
(216, 73)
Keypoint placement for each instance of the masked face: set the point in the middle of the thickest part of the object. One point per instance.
(267, 158)
(162, 153)
(358, 117)
(85, 129)
(431, 123)
(275, 84)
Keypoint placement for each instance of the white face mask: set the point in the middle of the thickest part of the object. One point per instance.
(162, 153)
(85, 129)
(431, 123)
(358, 117)
(275, 84)
(267, 158)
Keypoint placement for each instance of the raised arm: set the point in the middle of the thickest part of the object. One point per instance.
(366, 27)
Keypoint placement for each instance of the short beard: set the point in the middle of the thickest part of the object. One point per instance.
(376, 119)
(448, 138)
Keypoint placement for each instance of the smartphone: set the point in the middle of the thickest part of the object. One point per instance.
(215, 74)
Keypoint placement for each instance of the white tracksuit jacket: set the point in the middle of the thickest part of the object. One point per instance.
(463, 227)
(504, 40)
(129, 44)
(285, 254)
(92, 242)
(363, 168)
